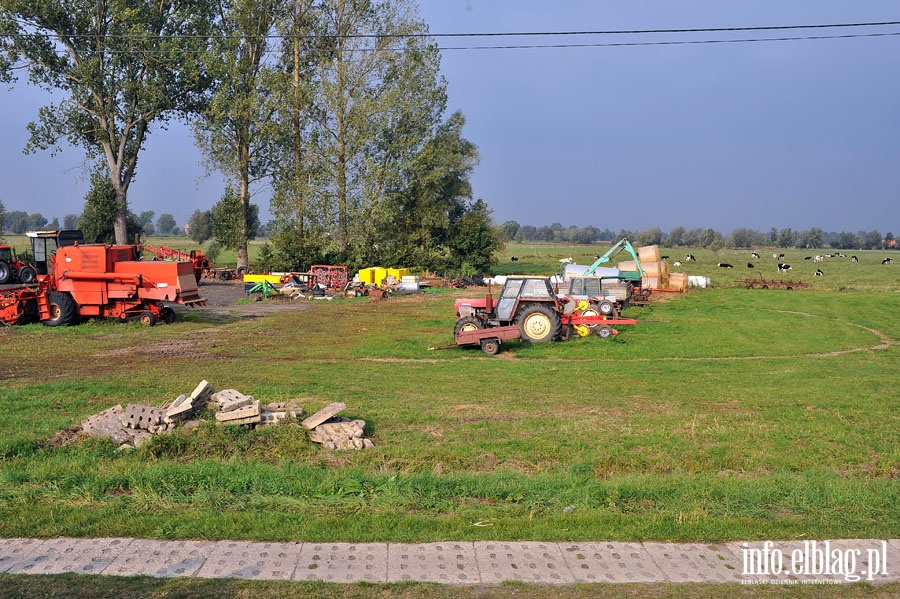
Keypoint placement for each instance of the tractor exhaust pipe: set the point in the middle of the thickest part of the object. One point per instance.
(489, 302)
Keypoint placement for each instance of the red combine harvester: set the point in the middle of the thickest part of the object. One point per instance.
(78, 280)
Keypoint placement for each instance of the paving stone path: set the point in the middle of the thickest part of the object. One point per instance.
(464, 563)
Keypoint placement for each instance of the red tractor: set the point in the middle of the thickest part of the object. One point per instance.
(13, 270)
(528, 309)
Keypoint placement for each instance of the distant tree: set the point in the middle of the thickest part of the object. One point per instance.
(510, 229)
(848, 241)
(743, 238)
(653, 236)
(145, 220)
(787, 238)
(676, 236)
(200, 226)
(709, 237)
(36, 221)
(692, 237)
(888, 238)
(53, 225)
(773, 236)
(97, 221)
(582, 235)
(812, 238)
(165, 224)
(2, 217)
(70, 221)
(16, 222)
(527, 233)
(872, 241)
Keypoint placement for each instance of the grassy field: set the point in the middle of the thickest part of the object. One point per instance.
(727, 414)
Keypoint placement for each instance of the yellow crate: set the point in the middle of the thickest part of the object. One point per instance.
(367, 276)
(273, 279)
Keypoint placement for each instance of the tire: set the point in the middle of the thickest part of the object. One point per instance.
(148, 319)
(467, 323)
(225, 275)
(63, 310)
(27, 275)
(538, 323)
(241, 271)
(167, 315)
(490, 346)
(5, 272)
(604, 332)
(607, 308)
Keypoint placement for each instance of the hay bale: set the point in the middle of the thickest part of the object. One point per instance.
(658, 270)
(678, 280)
(648, 253)
(630, 266)
(650, 282)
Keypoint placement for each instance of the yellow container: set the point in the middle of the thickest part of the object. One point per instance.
(403, 272)
(273, 279)
(394, 272)
(380, 274)
(367, 276)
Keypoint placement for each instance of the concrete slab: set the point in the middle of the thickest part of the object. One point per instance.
(695, 562)
(541, 563)
(342, 562)
(324, 414)
(259, 561)
(16, 551)
(63, 555)
(448, 563)
(611, 562)
(161, 558)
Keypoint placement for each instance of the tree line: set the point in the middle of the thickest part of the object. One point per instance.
(512, 231)
(336, 106)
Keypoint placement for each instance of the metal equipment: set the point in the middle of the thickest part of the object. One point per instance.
(77, 280)
(14, 270)
(203, 268)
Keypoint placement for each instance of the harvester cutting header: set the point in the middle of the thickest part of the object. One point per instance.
(77, 280)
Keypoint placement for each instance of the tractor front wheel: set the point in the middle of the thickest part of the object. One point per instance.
(466, 324)
(27, 275)
(63, 310)
(148, 319)
(607, 308)
(5, 272)
(167, 315)
(538, 323)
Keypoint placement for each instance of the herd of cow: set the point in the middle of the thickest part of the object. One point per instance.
(782, 267)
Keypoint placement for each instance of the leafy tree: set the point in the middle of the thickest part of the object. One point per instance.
(145, 220)
(100, 204)
(200, 226)
(16, 221)
(236, 129)
(231, 222)
(709, 237)
(652, 236)
(787, 238)
(70, 221)
(2, 216)
(745, 238)
(692, 237)
(53, 225)
(676, 236)
(117, 67)
(509, 230)
(475, 240)
(165, 224)
(36, 221)
(871, 241)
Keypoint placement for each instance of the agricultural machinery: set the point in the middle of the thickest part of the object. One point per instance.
(77, 280)
(203, 268)
(14, 270)
(528, 309)
(606, 294)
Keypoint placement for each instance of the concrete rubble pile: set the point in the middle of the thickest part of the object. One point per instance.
(335, 432)
(135, 424)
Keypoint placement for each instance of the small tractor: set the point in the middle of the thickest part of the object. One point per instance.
(77, 280)
(528, 309)
(13, 270)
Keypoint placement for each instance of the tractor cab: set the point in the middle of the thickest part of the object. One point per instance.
(45, 243)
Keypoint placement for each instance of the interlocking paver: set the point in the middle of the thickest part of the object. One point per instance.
(448, 563)
(84, 556)
(524, 562)
(261, 561)
(611, 562)
(342, 562)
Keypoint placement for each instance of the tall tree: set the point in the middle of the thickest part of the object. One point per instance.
(165, 224)
(118, 66)
(236, 130)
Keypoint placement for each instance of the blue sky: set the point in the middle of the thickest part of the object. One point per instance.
(785, 134)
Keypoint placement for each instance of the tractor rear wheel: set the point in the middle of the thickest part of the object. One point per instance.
(27, 275)
(167, 315)
(5, 272)
(466, 324)
(148, 319)
(538, 323)
(63, 310)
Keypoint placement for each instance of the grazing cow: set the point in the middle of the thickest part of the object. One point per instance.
(723, 265)
(819, 272)
(854, 259)
(689, 258)
(809, 258)
(783, 267)
(754, 255)
(663, 257)
(887, 261)
(750, 265)
(676, 264)
(840, 255)
(778, 256)
(514, 258)
(819, 258)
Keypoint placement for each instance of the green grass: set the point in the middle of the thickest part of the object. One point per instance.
(727, 414)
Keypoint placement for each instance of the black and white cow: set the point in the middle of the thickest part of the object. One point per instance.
(754, 255)
(783, 267)
(819, 272)
(750, 265)
(887, 261)
(689, 258)
(854, 259)
(724, 265)
(514, 258)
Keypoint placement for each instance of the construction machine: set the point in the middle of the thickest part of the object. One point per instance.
(607, 294)
(527, 309)
(77, 280)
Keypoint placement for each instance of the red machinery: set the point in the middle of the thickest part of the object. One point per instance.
(85, 280)
(13, 269)
(332, 277)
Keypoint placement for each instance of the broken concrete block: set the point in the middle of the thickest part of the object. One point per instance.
(142, 417)
(104, 423)
(180, 408)
(270, 416)
(141, 437)
(237, 421)
(201, 395)
(240, 413)
(229, 400)
(324, 414)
